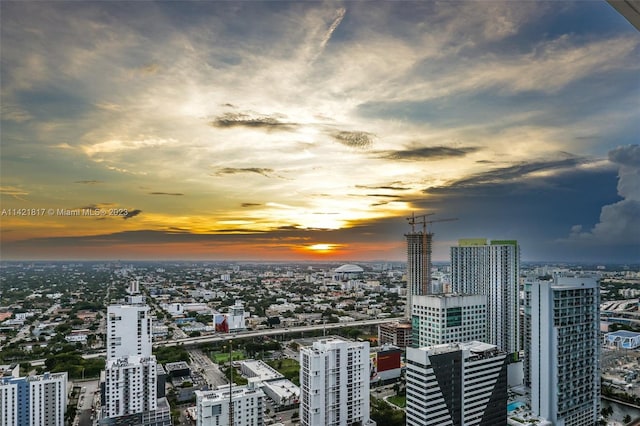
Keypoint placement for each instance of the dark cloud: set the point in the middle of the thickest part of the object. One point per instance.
(428, 153)
(515, 173)
(388, 187)
(89, 182)
(233, 170)
(166, 193)
(628, 155)
(250, 120)
(619, 222)
(250, 204)
(132, 213)
(384, 195)
(354, 139)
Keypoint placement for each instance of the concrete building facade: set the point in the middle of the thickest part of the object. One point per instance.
(247, 409)
(418, 266)
(39, 400)
(564, 353)
(460, 384)
(334, 383)
(491, 269)
(129, 329)
(448, 318)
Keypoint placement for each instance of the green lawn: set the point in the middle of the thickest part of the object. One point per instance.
(222, 357)
(289, 368)
(400, 401)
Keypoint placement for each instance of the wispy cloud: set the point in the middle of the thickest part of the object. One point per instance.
(13, 191)
(89, 182)
(236, 119)
(428, 153)
(266, 172)
(166, 193)
(356, 139)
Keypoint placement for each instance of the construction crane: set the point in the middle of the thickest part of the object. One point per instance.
(423, 220)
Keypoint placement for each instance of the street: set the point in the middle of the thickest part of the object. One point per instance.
(210, 370)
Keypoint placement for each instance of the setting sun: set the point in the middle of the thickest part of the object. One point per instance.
(322, 248)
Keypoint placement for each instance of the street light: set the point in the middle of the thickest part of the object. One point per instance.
(230, 383)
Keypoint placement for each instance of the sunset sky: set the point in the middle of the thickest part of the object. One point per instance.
(309, 130)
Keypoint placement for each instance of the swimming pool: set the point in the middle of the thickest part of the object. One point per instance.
(513, 405)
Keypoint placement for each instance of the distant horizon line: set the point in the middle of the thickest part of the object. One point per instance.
(555, 262)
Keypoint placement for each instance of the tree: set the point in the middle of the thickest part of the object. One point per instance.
(627, 419)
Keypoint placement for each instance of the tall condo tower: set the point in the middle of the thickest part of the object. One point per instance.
(129, 329)
(492, 270)
(334, 383)
(564, 350)
(130, 394)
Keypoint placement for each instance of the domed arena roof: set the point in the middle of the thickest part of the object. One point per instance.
(349, 269)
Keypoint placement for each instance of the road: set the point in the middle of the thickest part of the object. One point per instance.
(192, 341)
(209, 369)
(269, 332)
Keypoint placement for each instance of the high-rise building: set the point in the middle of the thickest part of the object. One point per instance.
(492, 270)
(448, 318)
(564, 352)
(130, 385)
(456, 384)
(334, 383)
(39, 400)
(418, 265)
(213, 406)
(129, 329)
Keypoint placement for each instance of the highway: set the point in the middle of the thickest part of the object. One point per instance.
(192, 341)
(189, 341)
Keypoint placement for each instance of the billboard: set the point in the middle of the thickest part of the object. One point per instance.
(221, 324)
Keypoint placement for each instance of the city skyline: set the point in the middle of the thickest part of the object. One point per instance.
(310, 131)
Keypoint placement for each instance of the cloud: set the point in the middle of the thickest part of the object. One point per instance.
(354, 139)
(233, 170)
(336, 22)
(250, 204)
(89, 182)
(516, 173)
(149, 69)
(619, 222)
(391, 187)
(428, 152)
(12, 191)
(132, 213)
(251, 120)
(117, 145)
(166, 193)
(15, 113)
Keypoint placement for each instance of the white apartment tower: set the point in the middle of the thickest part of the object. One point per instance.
(564, 350)
(448, 318)
(459, 384)
(39, 400)
(130, 377)
(334, 383)
(213, 406)
(418, 265)
(492, 270)
(130, 385)
(129, 329)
